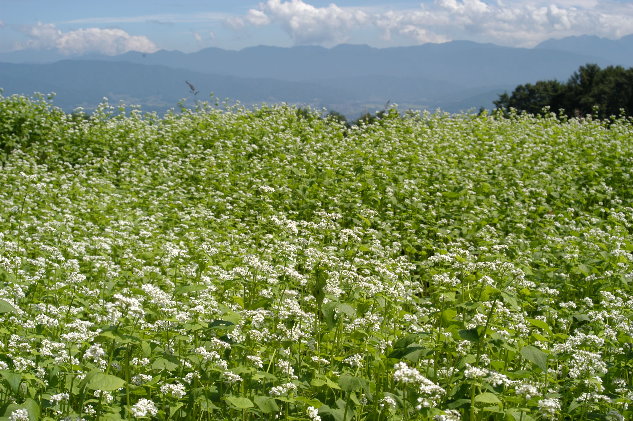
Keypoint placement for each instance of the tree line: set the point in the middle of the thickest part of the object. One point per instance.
(590, 90)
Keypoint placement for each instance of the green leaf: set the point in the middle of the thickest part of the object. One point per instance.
(349, 383)
(346, 309)
(329, 314)
(5, 307)
(240, 403)
(584, 269)
(163, 364)
(189, 288)
(111, 416)
(487, 397)
(31, 407)
(108, 382)
(266, 404)
(147, 350)
(13, 379)
(516, 415)
(471, 335)
(318, 382)
(406, 341)
(511, 300)
(541, 325)
(447, 316)
(88, 377)
(581, 317)
(416, 353)
(310, 402)
(173, 409)
(536, 356)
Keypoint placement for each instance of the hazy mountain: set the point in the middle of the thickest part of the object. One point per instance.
(617, 51)
(454, 76)
(465, 63)
(158, 88)
(35, 56)
(85, 83)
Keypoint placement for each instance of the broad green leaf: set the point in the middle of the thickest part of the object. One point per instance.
(88, 377)
(406, 341)
(189, 288)
(31, 407)
(311, 402)
(332, 384)
(540, 324)
(239, 402)
(5, 307)
(346, 309)
(511, 300)
(536, 356)
(266, 404)
(447, 316)
(164, 364)
(581, 317)
(471, 335)
(349, 383)
(487, 397)
(416, 353)
(147, 350)
(112, 416)
(318, 382)
(514, 414)
(173, 409)
(13, 379)
(329, 313)
(107, 382)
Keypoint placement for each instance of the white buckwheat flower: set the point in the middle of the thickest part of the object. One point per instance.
(548, 407)
(176, 390)
(144, 408)
(19, 415)
(313, 413)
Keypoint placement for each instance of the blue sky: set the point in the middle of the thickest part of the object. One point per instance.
(116, 26)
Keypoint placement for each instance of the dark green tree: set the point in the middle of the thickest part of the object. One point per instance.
(533, 98)
(609, 89)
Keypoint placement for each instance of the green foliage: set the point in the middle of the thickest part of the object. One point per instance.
(589, 91)
(226, 264)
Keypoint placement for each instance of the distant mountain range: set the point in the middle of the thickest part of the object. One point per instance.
(453, 76)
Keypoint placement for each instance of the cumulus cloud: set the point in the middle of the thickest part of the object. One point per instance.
(234, 24)
(510, 22)
(107, 41)
(200, 36)
(307, 24)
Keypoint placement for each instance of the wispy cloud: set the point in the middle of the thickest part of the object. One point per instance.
(1, 24)
(109, 41)
(167, 17)
(514, 22)
(160, 22)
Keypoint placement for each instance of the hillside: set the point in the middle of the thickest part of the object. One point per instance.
(244, 265)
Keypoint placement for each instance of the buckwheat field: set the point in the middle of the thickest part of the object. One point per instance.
(227, 264)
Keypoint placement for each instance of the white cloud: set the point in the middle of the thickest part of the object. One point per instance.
(107, 41)
(257, 18)
(522, 23)
(422, 36)
(197, 36)
(234, 24)
(307, 24)
(165, 17)
(1, 24)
